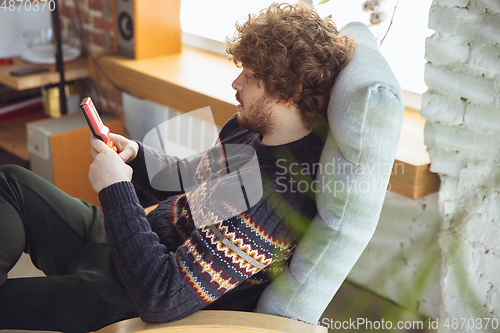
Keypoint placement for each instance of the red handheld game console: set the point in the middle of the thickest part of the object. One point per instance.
(99, 130)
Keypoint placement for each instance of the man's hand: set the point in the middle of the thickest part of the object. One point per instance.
(108, 167)
(127, 149)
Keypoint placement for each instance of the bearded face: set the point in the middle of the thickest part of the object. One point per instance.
(256, 116)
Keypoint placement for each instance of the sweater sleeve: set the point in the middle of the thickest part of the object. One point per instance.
(167, 286)
(159, 175)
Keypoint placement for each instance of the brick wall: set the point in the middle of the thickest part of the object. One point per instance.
(97, 19)
(462, 133)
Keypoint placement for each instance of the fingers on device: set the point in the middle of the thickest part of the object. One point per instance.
(99, 130)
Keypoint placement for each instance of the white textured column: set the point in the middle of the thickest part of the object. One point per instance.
(462, 133)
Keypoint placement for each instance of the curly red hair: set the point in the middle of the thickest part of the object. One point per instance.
(290, 45)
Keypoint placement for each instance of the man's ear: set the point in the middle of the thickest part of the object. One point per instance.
(295, 97)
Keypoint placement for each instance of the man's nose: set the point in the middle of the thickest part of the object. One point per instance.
(237, 83)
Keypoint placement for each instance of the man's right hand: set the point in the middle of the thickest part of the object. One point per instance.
(127, 149)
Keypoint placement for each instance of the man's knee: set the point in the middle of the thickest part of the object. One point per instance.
(12, 171)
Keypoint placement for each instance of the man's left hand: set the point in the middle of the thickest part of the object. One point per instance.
(108, 167)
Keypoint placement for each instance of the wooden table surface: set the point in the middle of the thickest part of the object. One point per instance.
(73, 70)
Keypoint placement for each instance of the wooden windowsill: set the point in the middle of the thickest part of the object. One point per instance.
(186, 81)
(411, 176)
(194, 79)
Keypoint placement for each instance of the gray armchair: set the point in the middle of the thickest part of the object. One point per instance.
(365, 116)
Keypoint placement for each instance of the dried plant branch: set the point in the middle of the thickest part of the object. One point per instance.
(390, 24)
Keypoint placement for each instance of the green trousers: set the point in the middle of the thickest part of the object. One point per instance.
(65, 238)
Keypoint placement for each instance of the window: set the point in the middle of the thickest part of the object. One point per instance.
(216, 19)
(206, 24)
(403, 47)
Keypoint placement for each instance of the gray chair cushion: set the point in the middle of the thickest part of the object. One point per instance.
(365, 114)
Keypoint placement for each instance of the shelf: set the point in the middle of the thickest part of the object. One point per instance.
(13, 136)
(194, 79)
(73, 70)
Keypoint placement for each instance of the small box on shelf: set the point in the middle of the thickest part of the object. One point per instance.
(51, 99)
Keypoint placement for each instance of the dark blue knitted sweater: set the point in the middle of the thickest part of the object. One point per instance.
(172, 269)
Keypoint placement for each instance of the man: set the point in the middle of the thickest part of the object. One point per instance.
(102, 268)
